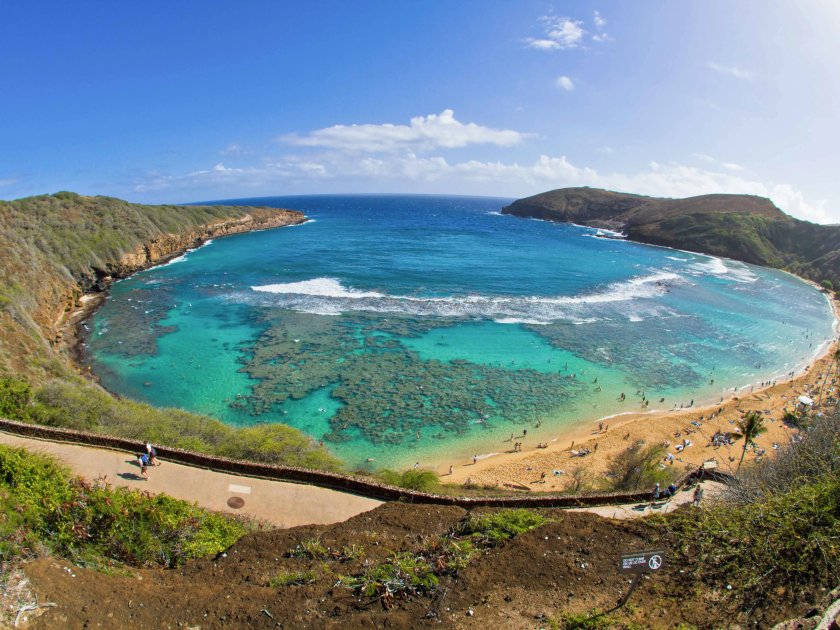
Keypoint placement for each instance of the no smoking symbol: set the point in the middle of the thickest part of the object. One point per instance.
(655, 562)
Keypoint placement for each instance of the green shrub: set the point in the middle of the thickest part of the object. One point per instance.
(87, 522)
(420, 480)
(495, 528)
(789, 539)
(80, 405)
(15, 395)
(402, 574)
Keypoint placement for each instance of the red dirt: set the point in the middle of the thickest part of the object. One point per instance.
(567, 565)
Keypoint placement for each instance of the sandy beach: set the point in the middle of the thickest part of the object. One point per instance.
(819, 380)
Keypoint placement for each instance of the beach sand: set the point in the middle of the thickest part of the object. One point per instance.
(523, 469)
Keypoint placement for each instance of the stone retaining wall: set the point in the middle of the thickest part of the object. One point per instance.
(334, 481)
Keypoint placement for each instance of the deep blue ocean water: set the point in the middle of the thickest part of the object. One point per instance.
(407, 329)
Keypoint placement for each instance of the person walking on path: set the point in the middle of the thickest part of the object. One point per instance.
(143, 462)
(152, 453)
(655, 497)
(698, 496)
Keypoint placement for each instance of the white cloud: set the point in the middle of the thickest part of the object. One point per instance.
(602, 37)
(561, 33)
(600, 22)
(565, 83)
(407, 172)
(8, 181)
(733, 71)
(423, 133)
(732, 166)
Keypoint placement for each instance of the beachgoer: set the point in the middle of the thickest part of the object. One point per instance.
(475, 459)
(698, 496)
(656, 493)
(450, 470)
(672, 489)
(143, 462)
(416, 465)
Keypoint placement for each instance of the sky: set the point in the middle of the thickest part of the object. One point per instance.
(186, 101)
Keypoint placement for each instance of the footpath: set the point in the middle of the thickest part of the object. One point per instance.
(279, 503)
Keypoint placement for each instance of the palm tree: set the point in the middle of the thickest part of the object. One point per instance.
(750, 426)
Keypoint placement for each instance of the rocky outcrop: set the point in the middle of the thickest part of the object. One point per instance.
(167, 246)
(741, 227)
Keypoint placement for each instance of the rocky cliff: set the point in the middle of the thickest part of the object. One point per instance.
(742, 227)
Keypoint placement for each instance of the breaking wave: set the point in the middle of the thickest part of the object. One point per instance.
(327, 296)
(739, 272)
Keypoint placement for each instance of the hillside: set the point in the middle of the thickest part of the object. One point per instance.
(742, 227)
(56, 247)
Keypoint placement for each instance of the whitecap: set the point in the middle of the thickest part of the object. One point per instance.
(327, 296)
(324, 287)
(733, 270)
(519, 320)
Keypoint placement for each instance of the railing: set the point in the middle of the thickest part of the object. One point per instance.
(335, 481)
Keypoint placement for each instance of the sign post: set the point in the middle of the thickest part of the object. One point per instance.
(638, 563)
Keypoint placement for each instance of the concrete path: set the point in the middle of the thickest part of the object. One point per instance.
(280, 503)
(711, 489)
(277, 502)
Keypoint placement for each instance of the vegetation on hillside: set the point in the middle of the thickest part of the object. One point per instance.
(777, 530)
(79, 405)
(742, 227)
(44, 509)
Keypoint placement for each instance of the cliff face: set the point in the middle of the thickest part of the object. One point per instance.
(161, 248)
(57, 247)
(742, 227)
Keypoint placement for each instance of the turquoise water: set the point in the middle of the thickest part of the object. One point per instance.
(414, 328)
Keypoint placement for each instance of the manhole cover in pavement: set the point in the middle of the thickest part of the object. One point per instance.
(236, 502)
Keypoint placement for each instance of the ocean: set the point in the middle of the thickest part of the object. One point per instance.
(428, 329)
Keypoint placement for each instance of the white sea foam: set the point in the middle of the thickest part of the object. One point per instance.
(183, 256)
(732, 270)
(519, 320)
(327, 296)
(323, 287)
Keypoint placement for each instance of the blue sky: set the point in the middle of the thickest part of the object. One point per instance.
(184, 101)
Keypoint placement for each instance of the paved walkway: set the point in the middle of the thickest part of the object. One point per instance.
(710, 489)
(280, 503)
